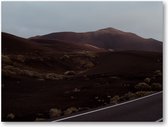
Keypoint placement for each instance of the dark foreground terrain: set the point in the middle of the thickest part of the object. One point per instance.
(145, 109)
(44, 81)
(30, 97)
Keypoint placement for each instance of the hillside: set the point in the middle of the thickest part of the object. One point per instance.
(74, 72)
(108, 38)
(12, 44)
(64, 46)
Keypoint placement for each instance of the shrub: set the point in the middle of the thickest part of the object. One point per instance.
(10, 70)
(76, 90)
(10, 116)
(156, 86)
(53, 76)
(70, 110)
(108, 96)
(90, 54)
(31, 73)
(64, 57)
(126, 85)
(85, 63)
(28, 73)
(40, 119)
(20, 58)
(41, 79)
(8, 73)
(72, 97)
(129, 96)
(158, 73)
(8, 67)
(142, 93)
(96, 97)
(142, 86)
(69, 73)
(54, 112)
(6, 59)
(115, 99)
(88, 64)
(147, 80)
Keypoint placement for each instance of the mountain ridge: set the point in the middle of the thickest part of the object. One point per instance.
(107, 38)
(12, 44)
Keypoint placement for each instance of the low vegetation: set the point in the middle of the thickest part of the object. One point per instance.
(70, 110)
(77, 86)
(20, 58)
(115, 99)
(10, 116)
(15, 71)
(15, 65)
(147, 80)
(157, 73)
(148, 86)
(143, 93)
(40, 119)
(142, 86)
(129, 96)
(156, 86)
(70, 73)
(54, 112)
(53, 76)
(6, 60)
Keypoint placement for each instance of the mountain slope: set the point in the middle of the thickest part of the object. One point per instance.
(63, 46)
(12, 44)
(108, 38)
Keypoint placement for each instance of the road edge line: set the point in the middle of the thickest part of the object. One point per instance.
(107, 107)
(159, 120)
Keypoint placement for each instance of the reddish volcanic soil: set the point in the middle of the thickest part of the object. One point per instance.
(127, 63)
(108, 38)
(12, 45)
(62, 70)
(15, 45)
(27, 97)
(59, 46)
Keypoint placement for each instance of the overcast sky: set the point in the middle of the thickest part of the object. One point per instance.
(27, 19)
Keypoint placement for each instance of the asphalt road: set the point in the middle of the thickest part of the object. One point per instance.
(149, 108)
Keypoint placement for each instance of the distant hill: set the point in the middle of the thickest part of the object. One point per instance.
(108, 38)
(12, 44)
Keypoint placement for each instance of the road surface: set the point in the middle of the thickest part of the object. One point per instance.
(148, 108)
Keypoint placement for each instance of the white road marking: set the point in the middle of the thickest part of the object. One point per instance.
(159, 120)
(107, 107)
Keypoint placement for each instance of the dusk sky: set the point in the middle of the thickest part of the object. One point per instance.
(28, 19)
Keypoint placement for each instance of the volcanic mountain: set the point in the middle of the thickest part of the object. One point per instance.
(108, 38)
(61, 70)
(12, 44)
